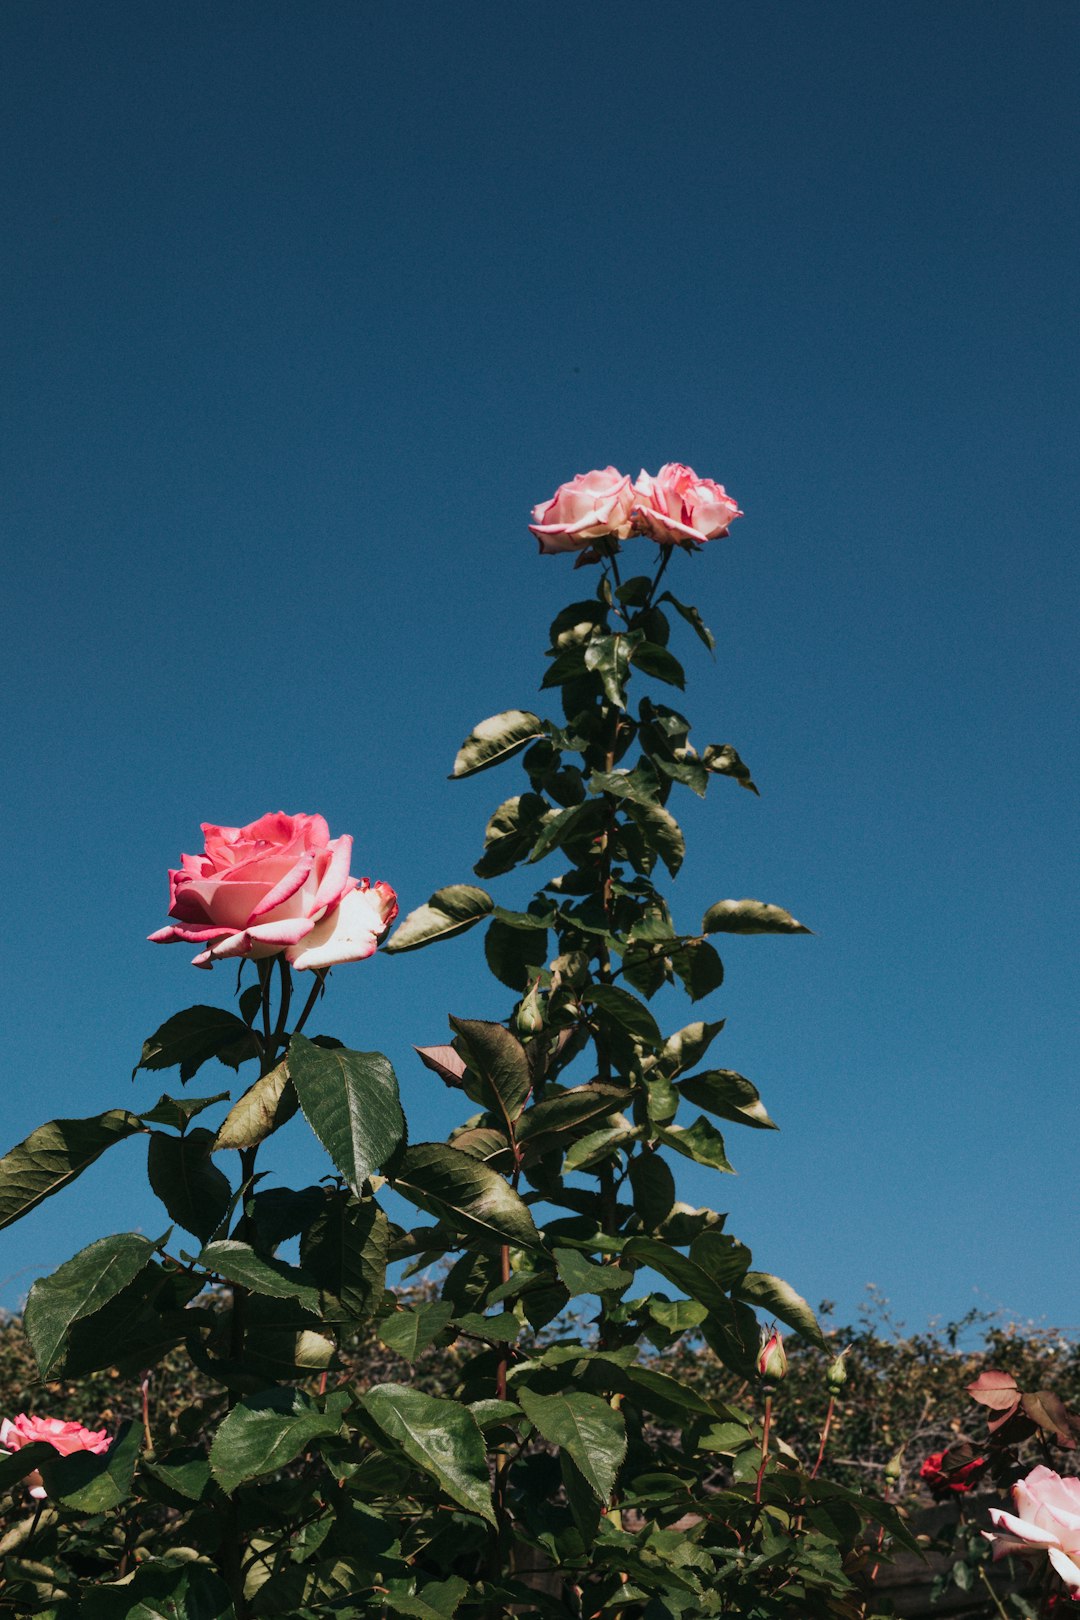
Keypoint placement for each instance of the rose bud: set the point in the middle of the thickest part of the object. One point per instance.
(836, 1373)
(772, 1357)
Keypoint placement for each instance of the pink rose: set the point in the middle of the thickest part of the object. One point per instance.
(1047, 1519)
(677, 505)
(63, 1437)
(592, 506)
(281, 884)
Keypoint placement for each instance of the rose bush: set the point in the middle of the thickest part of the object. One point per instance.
(677, 505)
(591, 506)
(279, 884)
(63, 1437)
(1047, 1519)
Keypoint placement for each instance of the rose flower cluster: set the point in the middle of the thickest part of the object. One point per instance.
(674, 508)
(279, 884)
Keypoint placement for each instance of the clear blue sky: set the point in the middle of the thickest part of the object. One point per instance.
(305, 305)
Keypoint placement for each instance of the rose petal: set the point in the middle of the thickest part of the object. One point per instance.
(349, 933)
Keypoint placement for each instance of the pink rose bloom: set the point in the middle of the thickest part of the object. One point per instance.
(63, 1437)
(592, 506)
(677, 505)
(280, 884)
(1047, 1519)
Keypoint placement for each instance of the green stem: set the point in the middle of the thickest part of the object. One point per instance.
(309, 1004)
(765, 1427)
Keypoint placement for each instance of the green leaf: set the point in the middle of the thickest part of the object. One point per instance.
(659, 663)
(565, 824)
(779, 1299)
(639, 786)
(159, 1591)
(92, 1482)
(654, 1188)
(598, 1145)
(625, 1010)
(609, 657)
(727, 1095)
(722, 760)
(182, 1174)
(15, 1465)
(191, 1038)
(683, 1049)
(438, 1600)
(409, 1333)
(723, 1257)
(677, 1315)
(496, 739)
(81, 1286)
(350, 1100)
(264, 1433)
(580, 1276)
(498, 1059)
(185, 1470)
(693, 619)
(591, 1432)
(749, 917)
(561, 1111)
(669, 1397)
(270, 1102)
(345, 1250)
(512, 832)
(515, 955)
(700, 1141)
(699, 967)
(240, 1264)
(179, 1111)
(55, 1154)
(684, 1273)
(449, 911)
(465, 1193)
(441, 1437)
(662, 833)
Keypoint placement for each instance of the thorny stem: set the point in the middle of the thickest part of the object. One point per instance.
(984, 1577)
(144, 1386)
(764, 1447)
(824, 1436)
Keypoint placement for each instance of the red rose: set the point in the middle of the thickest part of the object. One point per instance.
(946, 1473)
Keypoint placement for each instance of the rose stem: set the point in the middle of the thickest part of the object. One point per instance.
(764, 1446)
(824, 1436)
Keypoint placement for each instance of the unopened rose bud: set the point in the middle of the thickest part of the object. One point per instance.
(893, 1467)
(836, 1373)
(530, 1017)
(772, 1358)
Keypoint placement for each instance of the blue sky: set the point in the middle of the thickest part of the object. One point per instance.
(307, 305)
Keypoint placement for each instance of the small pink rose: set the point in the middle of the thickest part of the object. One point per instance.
(1047, 1520)
(63, 1437)
(678, 506)
(592, 506)
(279, 884)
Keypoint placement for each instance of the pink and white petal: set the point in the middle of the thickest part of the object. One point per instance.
(350, 933)
(285, 888)
(282, 931)
(1066, 1568)
(1008, 1546)
(334, 879)
(191, 936)
(1030, 1533)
